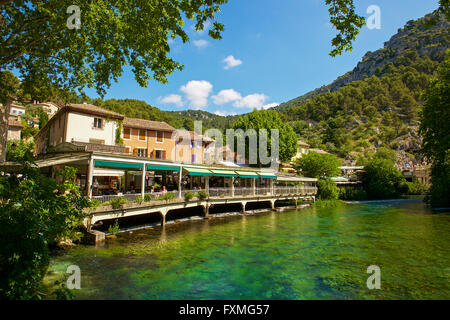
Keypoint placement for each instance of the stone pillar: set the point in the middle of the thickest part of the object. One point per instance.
(163, 219)
(144, 173)
(207, 184)
(180, 179)
(243, 207)
(272, 191)
(253, 187)
(90, 178)
(232, 187)
(272, 203)
(206, 211)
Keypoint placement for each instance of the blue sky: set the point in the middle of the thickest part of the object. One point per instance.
(272, 51)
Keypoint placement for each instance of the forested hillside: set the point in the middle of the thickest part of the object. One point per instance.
(379, 101)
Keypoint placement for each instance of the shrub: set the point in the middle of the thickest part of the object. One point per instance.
(382, 180)
(147, 198)
(114, 229)
(139, 200)
(188, 196)
(327, 189)
(94, 204)
(417, 188)
(168, 196)
(349, 194)
(118, 202)
(202, 195)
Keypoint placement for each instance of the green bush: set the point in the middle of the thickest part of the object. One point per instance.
(94, 204)
(147, 198)
(382, 180)
(36, 213)
(114, 229)
(139, 200)
(352, 194)
(118, 202)
(417, 188)
(168, 196)
(188, 196)
(202, 195)
(327, 189)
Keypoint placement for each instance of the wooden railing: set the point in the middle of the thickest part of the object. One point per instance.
(221, 193)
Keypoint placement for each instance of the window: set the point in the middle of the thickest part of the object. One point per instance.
(193, 158)
(159, 136)
(127, 149)
(98, 123)
(160, 154)
(142, 135)
(141, 152)
(126, 133)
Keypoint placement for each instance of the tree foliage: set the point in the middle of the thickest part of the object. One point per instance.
(260, 120)
(317, 165)
(36, 40)
(435, 129)
(35, 213)
(327, 189)
(382, 180)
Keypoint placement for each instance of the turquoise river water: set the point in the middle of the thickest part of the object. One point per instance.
(305, 254)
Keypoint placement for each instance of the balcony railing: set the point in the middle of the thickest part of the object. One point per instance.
(215, 193)
(101, 147)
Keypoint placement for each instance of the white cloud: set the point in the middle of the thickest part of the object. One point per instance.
(252, 101)
(226, 96)
(197, 93)
(174, 99)
(201, 43)
(270, 105)
(224, 113)
(231, 62)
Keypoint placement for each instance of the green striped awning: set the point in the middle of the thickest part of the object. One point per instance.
(224, 173)
(247, 174)
(198, 172)
(267, 175)
(157, 167)
(118, 164)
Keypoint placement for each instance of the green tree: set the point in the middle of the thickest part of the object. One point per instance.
(259, 120)
(382, 180)
(435, 130)
(385, 153)
(19, 150)
(35, 213)
(327, 189)
(317, 165)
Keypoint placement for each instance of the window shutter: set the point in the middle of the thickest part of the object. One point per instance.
(164, 155)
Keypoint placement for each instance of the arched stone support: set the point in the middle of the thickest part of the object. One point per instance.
(206, 211)
(244, 203)
(272, 204)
